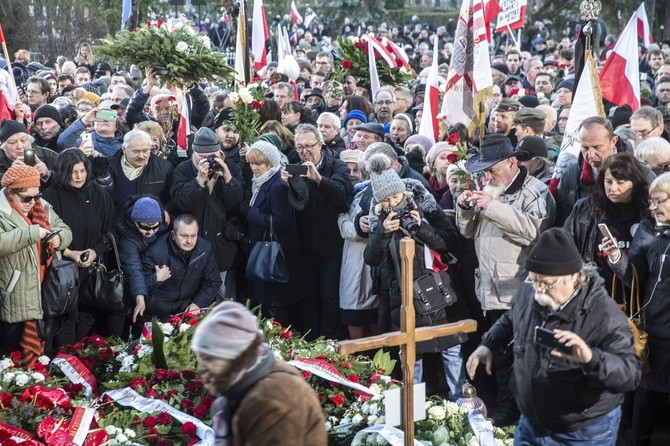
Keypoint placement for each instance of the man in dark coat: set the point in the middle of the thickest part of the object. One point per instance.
(48, 126)
(14, 141)
(330, 189)
(205, 187)
(180, 272)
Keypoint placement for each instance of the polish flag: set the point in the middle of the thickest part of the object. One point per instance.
(429, 126)
(491, 10)
(620, 77)
(295, 15)
(184, 129)
(375, 85)
(643, 30)
(259, 36)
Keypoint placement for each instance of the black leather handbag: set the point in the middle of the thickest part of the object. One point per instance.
(104, 289)
(60, 288)
(266, 260)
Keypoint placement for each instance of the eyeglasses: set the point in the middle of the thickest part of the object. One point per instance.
(29, 198)
(146, 227)
(546, 286)
(306, 147)
(655, 202)
(34, 92)
(644, 133)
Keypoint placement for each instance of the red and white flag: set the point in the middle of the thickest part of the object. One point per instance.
(375, 85)
(469, 80)
(184, 129)
(295, 15)
(620, 77)
(491, 10)
(259, 36)
(643, 29)
(429, 126)
(511, 16)
(309, 16)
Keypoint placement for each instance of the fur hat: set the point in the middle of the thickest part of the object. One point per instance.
(146, 210)
(21, 177)
(206, 141)
(227, 332)
(269, 150)
(9, 128)
(48, 111)
(554, 254)
(384, 180)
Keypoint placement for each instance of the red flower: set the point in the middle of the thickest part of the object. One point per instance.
(149, 421)
(346, 64)
(152, 434)
(73, 389)
(164, 418)
(164, 442)
(374, 378)
(200, 411)
(151, 393)
(105, 354)
(320, 398)
(452, 158)
(137, 382)
(39, 367)
(78, 346)
(136, 349)
(354, 378)
(16, 356)
(345, 365)
(188, 374)
(193, 441)
(170, 393)
(286, 334)
(453, 138)
(193, 386)
(159, 23)
(276, 323)
(207, 401)
(306, 374)
(338, 400)
(189, 428)
(256, 105)
(358, 45)
(98, 341)
(186, 404)
(192, 322)
(6, 399)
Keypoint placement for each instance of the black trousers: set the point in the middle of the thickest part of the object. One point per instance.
(10, 333)
(320, 286)
(646, 404)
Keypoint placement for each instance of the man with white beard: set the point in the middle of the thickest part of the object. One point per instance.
(504, 219)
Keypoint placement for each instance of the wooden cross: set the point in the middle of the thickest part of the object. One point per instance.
(407, 337)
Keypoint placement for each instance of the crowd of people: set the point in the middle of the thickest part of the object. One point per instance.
(337, 177)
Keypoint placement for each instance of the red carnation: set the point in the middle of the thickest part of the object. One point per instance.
(338, 400)
(151, 393)
(452, 158)
(200, 411)
(453, 138)
(137, 382)
(286, 334)
(358, 45)
(354, 378)
(188, 374)
(16, 356)
(186, 404)
(346, 64)
(189, 428)
(164, 418)
(149, 421)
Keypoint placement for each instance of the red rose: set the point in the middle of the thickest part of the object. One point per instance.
(159, 23)
(345, 365)
(453, 138)
(192, 322)
(170, 393)
(172, 375)
(149, 421)
(452, 158)
(39, 367)
(193, 386)
(137, 382)
(16, 356)
(164, 442)
(305, 374)
(286, 334)
(256, 105)
(200, 411)
(276, 323)
(320, 398)
(151, 393)
(338, 400)
(207, 401)
(164, 418)
(346, 64)
(105, 354)
(188, 374)
(354, 378)
(189, 428)
(358, 45)
(186, 404)
(152, 434)
(374, 378)
(78, 346)
(98, 341)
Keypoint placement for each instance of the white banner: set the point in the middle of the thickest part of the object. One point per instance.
(76, 372)
(325, 370)
(482, 428)
(128, 397)
(394, 436)
(84, 419)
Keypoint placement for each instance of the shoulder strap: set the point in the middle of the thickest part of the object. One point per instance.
(112, 240)
(394, 256)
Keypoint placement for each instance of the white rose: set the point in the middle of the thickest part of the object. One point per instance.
(44, 360)
(372, 419)
(353, 39)
(7, 363)
(473, 441)
(437, 413)
(122, 438)
(168, 329)
(21, 379)
(111, 430)
(245, 96)
(357, 419)
(184, 327)
(129, 433)
(234, 97)
(182, 47)
(452, 408)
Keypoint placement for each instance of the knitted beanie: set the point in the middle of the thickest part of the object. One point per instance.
(226, 332)
(273, 139)
(90, 96)
(384, 180)
(206, 141)
(269, 150)
(146, 210)
(554, 254)
(420, 140)
(355, 114)
(350, 156)
(21, 177)
(48, 111)
(9, 128)
(436, 150)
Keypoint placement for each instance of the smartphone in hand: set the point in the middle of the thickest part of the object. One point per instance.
(296, 169)
(545, 337)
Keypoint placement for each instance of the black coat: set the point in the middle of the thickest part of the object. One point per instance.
(189, 198)
(272, 202)
(194, 279)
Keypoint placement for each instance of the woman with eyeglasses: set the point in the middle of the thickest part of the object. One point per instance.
(25, 254)
(88, 209)
(620, 200)
(648, 255)
(139, 223)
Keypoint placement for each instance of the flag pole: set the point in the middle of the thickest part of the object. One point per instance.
(9, 64)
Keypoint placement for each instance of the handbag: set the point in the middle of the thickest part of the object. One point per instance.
(266, 260)
(631, 306)
(104, 289)
(60, 288)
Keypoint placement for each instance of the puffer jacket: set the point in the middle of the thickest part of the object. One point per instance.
(504, 233)
(20, 287)
(556, 394)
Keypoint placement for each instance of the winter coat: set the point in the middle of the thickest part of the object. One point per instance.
(556, 394)
(194, 280)
(20, 287)
(106, 146)
(406, 171)
(199, 107)
(188, 197)
(272, 202)
(336, 144)
(437, 233)
(649, 254)
(47, 156)
(504, 233)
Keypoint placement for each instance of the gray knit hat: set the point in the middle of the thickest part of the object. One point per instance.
(384, 180)
(269, 150)
(226, 332)
(206, 141)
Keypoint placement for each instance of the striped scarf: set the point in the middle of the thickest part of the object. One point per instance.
(31, 344)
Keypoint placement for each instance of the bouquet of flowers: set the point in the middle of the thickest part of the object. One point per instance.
(246, 105)
(174, 48)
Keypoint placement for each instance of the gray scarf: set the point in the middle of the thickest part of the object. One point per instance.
(258, 181)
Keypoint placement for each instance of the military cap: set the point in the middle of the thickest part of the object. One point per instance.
(508, 105)
(528, 115)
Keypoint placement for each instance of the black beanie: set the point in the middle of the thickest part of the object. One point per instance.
(8, 128)
(48, 111)
(554, 254)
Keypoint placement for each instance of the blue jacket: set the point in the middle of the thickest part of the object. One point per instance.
(71, 137)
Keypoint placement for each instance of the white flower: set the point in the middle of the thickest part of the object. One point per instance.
(44, 360)
(168, 329)
(21, 379)
(145, 350)
(372, 419)
(353, 39)
(129, 433)
(122, 438)
(473, 441)
(111, 430)
(268, 325)
(182, 47)
(245, 95)
(442, 88)
(452, 408)
(114, 442)
(205, 41)
(328, 425)
(7, 363)
(437, 413)
(8, 377)
(38, 377)
(184, 327)
(234, 97)
(357, 419)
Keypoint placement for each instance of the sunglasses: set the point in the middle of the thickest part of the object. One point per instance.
(29, 198)
(146, 227)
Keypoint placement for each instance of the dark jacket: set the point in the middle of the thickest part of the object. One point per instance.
(189, 198)
(649, 254)
(336, 144)
(51, 145)
(198, 108)
(317, 223)
(194, 278)
(272, 202)
(71, 137)
(406, 171)
(558, 395)
(439, 234)
(46, 155)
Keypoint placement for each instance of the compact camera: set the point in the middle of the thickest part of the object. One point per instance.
(213, 164)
